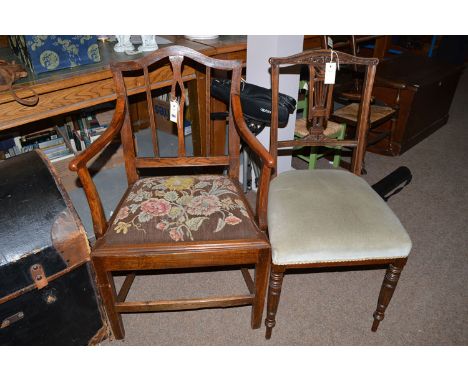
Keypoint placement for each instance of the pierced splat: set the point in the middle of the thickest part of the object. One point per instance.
(176, 62)
(178, 65)
(320, 104)
(320, 100)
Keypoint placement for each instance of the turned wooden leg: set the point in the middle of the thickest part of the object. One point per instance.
(274, 292)
(261, 281)
(106, 287)
(386, 292)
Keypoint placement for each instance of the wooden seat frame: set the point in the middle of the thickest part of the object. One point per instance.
(129, 258)
(316, 60)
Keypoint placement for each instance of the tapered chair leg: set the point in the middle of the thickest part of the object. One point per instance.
(389, 284)
(261, 282)
(106, 287)
(274, 292)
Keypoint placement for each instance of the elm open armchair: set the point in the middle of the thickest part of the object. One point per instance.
(329, 217)
(175, 220)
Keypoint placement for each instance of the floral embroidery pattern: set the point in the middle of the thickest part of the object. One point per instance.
(179, 205)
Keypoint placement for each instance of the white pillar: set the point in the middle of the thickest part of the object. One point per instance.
(259, 50)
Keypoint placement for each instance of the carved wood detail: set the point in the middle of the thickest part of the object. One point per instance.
(321, 57)
(274, 293)
(392, 275)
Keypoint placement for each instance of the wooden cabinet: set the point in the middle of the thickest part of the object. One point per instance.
(424, 103)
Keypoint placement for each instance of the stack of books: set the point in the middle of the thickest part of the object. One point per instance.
(61, 141)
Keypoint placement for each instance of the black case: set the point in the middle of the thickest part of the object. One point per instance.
(47, 291)
(255, 101)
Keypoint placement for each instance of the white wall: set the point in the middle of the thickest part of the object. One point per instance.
(259, 50)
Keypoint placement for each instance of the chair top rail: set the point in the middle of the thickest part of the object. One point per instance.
(322, 56)
(176, 50)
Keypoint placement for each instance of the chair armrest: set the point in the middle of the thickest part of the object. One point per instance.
(266, 158)
(79, 163)
(91, 151)
(247, 135)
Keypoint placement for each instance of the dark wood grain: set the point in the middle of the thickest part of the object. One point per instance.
(274, 293)
(184, 304)
(125, 288)
(386, 292)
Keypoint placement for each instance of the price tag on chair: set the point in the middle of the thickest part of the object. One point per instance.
(174, 111)
(330, 72)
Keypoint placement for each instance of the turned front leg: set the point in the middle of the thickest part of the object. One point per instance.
(274, 292)
(386, 291)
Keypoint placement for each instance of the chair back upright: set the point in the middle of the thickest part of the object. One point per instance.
(180, 64)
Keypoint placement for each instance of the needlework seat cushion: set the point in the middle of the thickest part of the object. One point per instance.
(182, 208)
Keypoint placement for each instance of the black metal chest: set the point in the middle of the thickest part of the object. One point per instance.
(47, 293)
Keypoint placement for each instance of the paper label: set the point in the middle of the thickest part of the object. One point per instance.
(174, 112)
(330, 42)
(330, 72)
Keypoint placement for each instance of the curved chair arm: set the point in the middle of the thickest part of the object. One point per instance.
(247, 135)
(268, 163)
(114, 127)
(79, 163)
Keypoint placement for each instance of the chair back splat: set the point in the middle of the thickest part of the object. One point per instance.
(321, 102)
(183, 62)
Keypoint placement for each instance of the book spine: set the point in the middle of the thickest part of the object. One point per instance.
(84, 131)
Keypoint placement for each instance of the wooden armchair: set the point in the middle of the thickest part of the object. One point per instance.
(331, 217)
(173, 220)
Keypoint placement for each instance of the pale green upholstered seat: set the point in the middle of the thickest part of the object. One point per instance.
(331, 216)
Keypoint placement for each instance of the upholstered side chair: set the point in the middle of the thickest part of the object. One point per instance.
(329, 217)
(190, 212)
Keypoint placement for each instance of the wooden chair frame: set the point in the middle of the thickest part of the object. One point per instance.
(130, 258)
(313, 59)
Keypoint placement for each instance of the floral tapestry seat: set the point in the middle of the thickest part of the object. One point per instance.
(182, 208)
